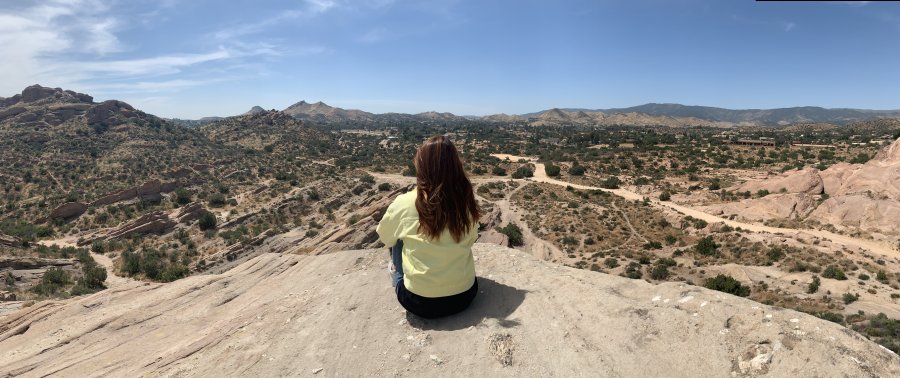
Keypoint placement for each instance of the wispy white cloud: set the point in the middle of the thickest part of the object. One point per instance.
(311, 9)
(74, 44)
(788, 26)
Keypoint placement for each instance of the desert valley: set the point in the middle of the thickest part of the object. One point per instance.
(106, 208)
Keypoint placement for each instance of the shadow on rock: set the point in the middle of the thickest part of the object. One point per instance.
(494, 301)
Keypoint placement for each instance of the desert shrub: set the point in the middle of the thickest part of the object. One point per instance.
(715, 185)
(551, 170)
(53, 280)
(863, 276)
(671, 239)
(834, 273)
(216, 200)
(633, 270)
(706, 246)
(10, 280)
(173, 272)
(665, 196)
(727, 284)
(883, 330)
(831, 317)
(98, 247)
(498, 171)
(313, 195)
(384, 187)
(368, 179)
(653, 245)
(523, 172)
(183, 196)
(850, 298)
(762, 193)
(881, 276)
(775, 254)
(611, 182)
(513, 232)
(814, 285)
(576, 170)
(659, 272)
(311, 233)
(611, 262)
(207, 221)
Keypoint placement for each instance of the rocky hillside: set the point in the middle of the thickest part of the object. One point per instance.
(336, 315)
(321, 112)
(60, 146)
(854, 197)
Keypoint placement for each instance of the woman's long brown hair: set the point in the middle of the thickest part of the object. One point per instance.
(445, 198)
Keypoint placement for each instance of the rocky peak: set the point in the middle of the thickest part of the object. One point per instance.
(36, 93)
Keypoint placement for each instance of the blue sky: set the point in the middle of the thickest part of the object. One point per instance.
(194, 58)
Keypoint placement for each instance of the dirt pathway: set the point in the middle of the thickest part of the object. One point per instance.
(112, 280)
(541, 176)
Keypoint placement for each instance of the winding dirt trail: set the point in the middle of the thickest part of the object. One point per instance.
(875, 247)
(112, 280)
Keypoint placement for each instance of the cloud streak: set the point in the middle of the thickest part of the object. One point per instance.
(74, 44)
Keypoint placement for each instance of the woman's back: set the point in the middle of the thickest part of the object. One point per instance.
(431, 267)
(430, 231)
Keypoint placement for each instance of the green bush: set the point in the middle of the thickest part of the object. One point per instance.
(727, 284)
(216, 200)
(611, 182)
(611, 262)
(10, 279)
(498, 171)
(834, 273)
(384, 187)
(183, 196)
(850, 298)
(633, 270)
(706, 246)
(98, 247)
(659, 272)
(665, 196)
(514, 233)
(551, 170)
(207, 221)
(814, 285)
(523, 172)
(53, 280)
(576, 170)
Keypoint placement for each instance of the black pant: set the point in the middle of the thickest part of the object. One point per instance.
(424, 306)
(435, 307)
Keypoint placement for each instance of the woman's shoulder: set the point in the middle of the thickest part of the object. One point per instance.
(404, 202)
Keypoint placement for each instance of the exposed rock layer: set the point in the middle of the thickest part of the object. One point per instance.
(336, 315)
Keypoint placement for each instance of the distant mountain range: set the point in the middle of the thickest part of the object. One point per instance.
(672, 115)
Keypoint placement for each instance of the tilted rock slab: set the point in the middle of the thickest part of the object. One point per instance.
(337, 315)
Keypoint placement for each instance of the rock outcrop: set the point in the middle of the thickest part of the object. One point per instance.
(10, 241)
(773, 206)
(337, 315)
(863, 196)
(803, 181)
(189, 212)
(155, 222)
(150, 190)
(68, 210)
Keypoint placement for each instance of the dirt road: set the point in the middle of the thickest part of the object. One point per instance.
(875, 247)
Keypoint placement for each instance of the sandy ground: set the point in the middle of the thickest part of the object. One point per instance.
(336, 315)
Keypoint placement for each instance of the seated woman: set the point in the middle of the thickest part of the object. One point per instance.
(430, 231)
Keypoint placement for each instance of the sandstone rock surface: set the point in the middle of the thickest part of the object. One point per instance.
(68, 210)
(336, 315)
(803, 181)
